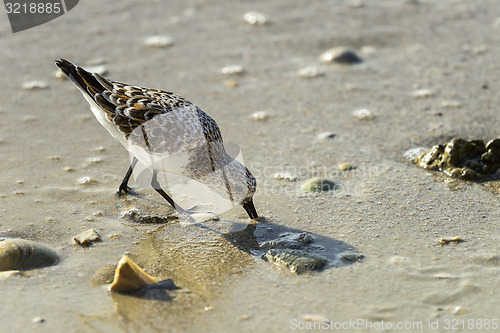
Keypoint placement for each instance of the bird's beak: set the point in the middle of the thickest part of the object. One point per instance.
(250, 209)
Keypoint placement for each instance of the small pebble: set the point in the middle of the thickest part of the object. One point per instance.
(93, 161)
(87, 181)
(451, 104)
(323, 136)
(38, 320)
(35, 84)
(255, 18)
(68, 169)
(446, 240)
(87, 237)
(340, 55)
(158, 41)
(363, 114)
(260, 115)
(423, 93)
(458, 310)
(309, 72)
(346, 167)
(285, 176)
(232, 70)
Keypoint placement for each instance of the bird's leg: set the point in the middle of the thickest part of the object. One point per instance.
(156, 185)
(124, 185)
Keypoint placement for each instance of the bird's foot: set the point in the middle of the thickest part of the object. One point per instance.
(125, 190)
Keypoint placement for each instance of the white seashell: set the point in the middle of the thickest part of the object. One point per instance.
(158, 41)
(255, 18)
(363, 114)
(260, 115)
(35, 84)
(312, 71)
(232, 69)
(423, 93)
(87, 181)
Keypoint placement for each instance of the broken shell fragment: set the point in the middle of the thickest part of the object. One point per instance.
(24, 255)
(130, 277)
(86, 238)
(446, 240)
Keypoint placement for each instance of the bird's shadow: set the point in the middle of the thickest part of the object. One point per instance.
(262, 234)
(256, 237)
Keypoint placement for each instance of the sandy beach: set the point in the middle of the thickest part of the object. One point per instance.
(429, 73)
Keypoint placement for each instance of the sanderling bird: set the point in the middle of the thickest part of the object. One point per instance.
(166, 133)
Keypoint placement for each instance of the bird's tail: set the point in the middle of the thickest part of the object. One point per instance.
(87, 82)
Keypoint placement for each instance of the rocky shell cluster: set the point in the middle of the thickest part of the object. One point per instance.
(459, 158)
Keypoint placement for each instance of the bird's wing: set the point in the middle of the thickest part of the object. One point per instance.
(165, 115)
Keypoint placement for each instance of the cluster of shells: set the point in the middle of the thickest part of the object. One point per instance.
(459, 158)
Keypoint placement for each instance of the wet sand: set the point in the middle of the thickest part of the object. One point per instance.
(387, 208)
